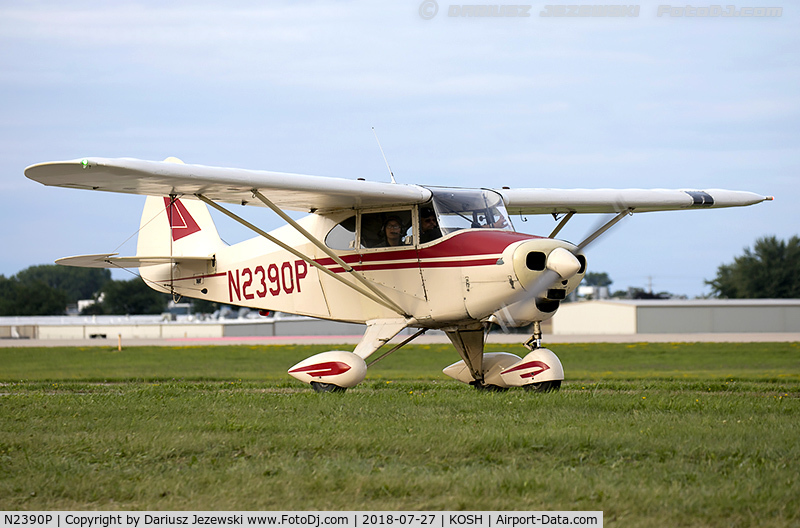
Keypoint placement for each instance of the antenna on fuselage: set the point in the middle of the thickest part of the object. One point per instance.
(384, 155)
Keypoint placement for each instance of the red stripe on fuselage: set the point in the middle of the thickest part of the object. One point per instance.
(456, 248)
(415, 264)
(473, 243)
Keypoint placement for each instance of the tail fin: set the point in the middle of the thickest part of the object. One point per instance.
(173, 227)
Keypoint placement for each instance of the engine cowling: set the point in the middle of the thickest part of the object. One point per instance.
(532, 258)
(335, 367)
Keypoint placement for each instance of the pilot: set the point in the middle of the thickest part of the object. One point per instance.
(392, 232)
(499, 222)
(428, 226)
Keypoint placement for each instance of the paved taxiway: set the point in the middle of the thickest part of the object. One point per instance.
(424, 339)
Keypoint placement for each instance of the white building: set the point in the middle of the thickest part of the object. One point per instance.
(677, 316)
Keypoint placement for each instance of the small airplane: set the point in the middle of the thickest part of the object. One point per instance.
(389, 256)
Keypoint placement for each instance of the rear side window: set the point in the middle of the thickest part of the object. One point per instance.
(343, 236)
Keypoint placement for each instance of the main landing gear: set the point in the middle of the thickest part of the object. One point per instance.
(539, 371)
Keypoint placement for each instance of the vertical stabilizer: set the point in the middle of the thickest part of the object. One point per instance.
(172, 227)
(176, 227)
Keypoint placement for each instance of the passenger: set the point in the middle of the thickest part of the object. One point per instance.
(392, 232)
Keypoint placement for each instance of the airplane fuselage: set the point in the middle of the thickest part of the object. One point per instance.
(460, 278)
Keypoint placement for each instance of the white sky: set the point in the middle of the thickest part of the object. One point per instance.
(647, 101)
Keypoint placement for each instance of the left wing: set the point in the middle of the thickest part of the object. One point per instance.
(551, 201)
(163, 178)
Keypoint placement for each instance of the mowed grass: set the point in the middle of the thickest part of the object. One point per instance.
(652, 434)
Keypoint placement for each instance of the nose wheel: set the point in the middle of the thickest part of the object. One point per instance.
(533, 344)
(539, 371)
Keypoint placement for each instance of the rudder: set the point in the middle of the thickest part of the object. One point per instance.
(171, 227)
(174, 227)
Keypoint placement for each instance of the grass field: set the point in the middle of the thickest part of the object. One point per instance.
(652, 434)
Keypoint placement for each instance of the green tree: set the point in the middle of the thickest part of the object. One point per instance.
(133, 297)
(594, 278)
(202, 306)
(30, 298)
(770, 271)
(76, 283)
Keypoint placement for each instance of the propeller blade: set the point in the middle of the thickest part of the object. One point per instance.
(561, 265)
(602, 229)
(545, 281)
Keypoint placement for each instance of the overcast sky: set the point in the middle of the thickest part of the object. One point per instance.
(613, 102)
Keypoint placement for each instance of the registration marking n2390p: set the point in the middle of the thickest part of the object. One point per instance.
(274, 279)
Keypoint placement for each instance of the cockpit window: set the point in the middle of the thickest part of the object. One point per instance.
(463, 209)
(343, 236)
(386, 229)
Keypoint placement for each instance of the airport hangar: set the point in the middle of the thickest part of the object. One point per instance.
(624, 317)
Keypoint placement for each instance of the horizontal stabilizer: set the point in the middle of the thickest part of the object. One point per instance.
(111, 260)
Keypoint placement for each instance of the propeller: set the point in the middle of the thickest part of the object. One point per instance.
(561, 264)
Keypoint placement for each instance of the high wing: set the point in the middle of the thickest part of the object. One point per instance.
(164, 178)
(314, 193)
(553, 201)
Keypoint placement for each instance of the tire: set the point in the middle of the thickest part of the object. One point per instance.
(327, 387)
(545, 386)
(488, 388)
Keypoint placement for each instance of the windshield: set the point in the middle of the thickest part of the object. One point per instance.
(469, 208)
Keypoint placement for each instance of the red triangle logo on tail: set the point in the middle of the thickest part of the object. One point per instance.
(180, 220)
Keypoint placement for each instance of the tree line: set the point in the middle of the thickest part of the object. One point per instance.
(51, 289)
(770, 270)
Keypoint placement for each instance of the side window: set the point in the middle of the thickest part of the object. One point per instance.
(343, 236)
(386, 229)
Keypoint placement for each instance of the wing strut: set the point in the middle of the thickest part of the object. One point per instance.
(170, 209)
(608, 225)
(561, 224)
(368, 294)
(311, 238)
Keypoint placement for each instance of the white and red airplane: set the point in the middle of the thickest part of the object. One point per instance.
(387, 255)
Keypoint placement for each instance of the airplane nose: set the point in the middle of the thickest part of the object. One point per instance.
(563, 262)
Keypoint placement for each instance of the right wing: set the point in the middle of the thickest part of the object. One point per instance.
(164, 178)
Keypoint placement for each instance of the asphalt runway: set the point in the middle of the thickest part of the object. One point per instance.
(424, 339)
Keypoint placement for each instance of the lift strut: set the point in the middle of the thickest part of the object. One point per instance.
(369, 294)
